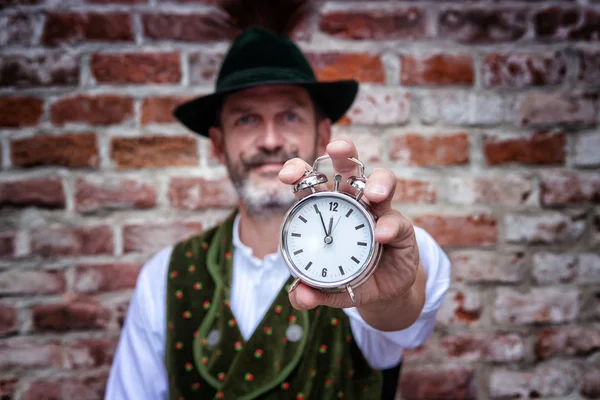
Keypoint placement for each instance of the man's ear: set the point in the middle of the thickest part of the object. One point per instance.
(216, 138)
(323, 135)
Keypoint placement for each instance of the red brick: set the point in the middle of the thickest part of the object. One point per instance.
(25, 353)
(88, 388)
(475, 266)
(93, 110)
(426, 352)
(480, 25)
(50, 69)
(105, 277)
(368, 142)
(17, 112)
(538, 305)
(72, 241)
(8, 319)
(589, 66)
(550, 109)
(582, 268)
(476, 229)
(198, 193)
(7, 244)
(509, 189)
(204, 67)
(544, 228)
(567, 23)
(378, 106)
(338, 66)
(21, 30)
(587, 149)
(94, 193)
(569, 187)
(88, 354)
(8, 387)
(590, 382)
(519, 70)
(136, 68)
(398, 23)
(121, 310)
(437, 382)
(464, 108)
(572, 341)
(79, 314)
(462, 307)
(543, 381)
(74, 28)
(184, 27)
(415, 149)
(154, 152)
(438, 69)
(117, 1)
(36, 192)
(483, 346)
(32, 282)
(414, 191)
(147, 238)
(77, 150)
(539, 148)
(160, 109)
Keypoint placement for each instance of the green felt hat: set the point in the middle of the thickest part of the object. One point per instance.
(260, 57)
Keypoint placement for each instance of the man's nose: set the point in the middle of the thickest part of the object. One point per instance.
(272, 138)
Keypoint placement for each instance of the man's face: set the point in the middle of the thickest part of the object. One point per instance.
(262, 128)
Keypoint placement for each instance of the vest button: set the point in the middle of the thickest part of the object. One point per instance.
(213, 338)
(294, 333)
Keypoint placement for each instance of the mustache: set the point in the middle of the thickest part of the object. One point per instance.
(280, 156)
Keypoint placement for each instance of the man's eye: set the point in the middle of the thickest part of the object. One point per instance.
(290, 117)
(246, 119)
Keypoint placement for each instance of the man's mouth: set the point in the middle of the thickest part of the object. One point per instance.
(269, 167)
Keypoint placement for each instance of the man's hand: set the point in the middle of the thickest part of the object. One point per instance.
(398, 285)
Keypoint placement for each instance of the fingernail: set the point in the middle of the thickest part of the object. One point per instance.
(341, 144)
(376, 188)
(286, 170)
(301, 304)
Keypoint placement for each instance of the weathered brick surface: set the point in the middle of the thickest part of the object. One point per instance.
(184, 27)
(153, 152)
(539, 148)
(147, 238)
(415, 149)
(88, 354)
(72, 28)
(16, 112)
(508, 189)
(476, 229)
(549, 227)
(476, 266)
(18, 282)
(590, 386)
(583, 268)
(461, 307)
(93, 110)
(79, 314)
(546, 109)
(569, 187)
(480, 25)
(414, 191)
(462, 108)
(7, 244)
(438, 69)
(72, 241)
(136, 68)
(160, 109)
(20, 29)
(538, 305)
(78, 150)
(360, 66)
(8, 387)
(587, 149)
(567, 342)
(399, 23)
(105, 277)
(198, 193)
(522, 70)
(483, 346)
(41, 192)
(25, 353)
(8, 319)
(589, 66)
(567, 23)
(379, 107)
(453, 382)
(93, 193)
(543, 381)
(91, 388)
(204, 67)
(50, 69)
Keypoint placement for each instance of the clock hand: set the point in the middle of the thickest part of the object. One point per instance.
(330, 223)
(322, 222)
(336, 224)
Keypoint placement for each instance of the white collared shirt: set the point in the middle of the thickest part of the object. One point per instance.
(138, 371)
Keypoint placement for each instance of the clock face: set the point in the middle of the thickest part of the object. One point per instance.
(328, 239)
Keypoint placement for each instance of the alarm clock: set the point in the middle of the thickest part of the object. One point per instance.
(327, 238)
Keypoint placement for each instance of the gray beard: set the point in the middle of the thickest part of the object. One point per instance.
(265, 200)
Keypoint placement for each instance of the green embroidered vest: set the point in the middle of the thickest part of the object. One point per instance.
(291, 355)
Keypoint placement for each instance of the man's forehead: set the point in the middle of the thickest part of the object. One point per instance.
(291, 93)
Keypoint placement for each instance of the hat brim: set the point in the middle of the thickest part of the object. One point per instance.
(334, 98)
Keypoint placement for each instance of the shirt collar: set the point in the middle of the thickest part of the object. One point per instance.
(246, 252)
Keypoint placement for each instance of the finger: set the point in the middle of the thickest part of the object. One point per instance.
(293, 171)
(340, 150)
(380, 189)
(303, 297)
(394, 230)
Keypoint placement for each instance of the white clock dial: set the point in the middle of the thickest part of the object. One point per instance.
(329, 239)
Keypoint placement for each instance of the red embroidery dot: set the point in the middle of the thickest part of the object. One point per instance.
(232, 322)
(171, 325)
(187, 315)
(300, 396)
(238, 345)
(348, 338)
(179, 345)
(285, 386)
(323, 349)
(226, 302)
(196, 385)
(277, 310)
(197, 286)
(179, 294)
(192, 268)
(221, 376)
(228, 255)
(196, 334)
(351, 373)
(180, 398)
(268, 330)
(220, 395)
(204, 360)
(258, 353)
(328, 382)
(173, 274)
(334, 321)
(205, 245)
(249, 377)
(188, 366)
(285, 340)
(311, 372)
(292, 319)
(206, 304)
(340, 395)
(189, 254)
(202, 342)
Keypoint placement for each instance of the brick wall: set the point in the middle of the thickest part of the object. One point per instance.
(487, 111)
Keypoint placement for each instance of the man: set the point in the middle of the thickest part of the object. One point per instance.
(211, 317)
